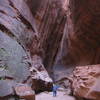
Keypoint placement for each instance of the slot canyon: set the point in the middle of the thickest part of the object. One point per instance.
(47, 42)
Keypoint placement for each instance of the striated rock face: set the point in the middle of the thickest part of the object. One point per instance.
(19, 41)
(86, 81)
(51, 20)
(15, 22)
(68, 33)
(52, 31)
(84, 40)
(81, 28)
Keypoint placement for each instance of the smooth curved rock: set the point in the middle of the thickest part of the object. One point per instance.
(6, 88)
(12, 61)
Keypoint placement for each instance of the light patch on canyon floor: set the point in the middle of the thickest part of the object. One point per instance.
(49, 96)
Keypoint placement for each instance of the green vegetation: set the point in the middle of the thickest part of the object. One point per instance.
(2, 78)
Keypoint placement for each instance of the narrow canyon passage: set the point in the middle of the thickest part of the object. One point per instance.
(47, 42)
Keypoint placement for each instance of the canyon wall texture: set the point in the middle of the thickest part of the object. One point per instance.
(81, 28)
(85, 41)
(86, 80)
(51, 21)
(20, 62)
(35, 35)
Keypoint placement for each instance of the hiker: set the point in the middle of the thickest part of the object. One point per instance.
(55, 88)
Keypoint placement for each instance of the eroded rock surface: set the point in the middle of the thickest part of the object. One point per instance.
(18, 43)
(40, 75)
(86, 80)
(67, 32)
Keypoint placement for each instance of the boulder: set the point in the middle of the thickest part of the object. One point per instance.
(41, 81)
(24, 91)
(6, 88)
(86, 80)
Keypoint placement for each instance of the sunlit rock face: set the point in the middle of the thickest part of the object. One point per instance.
(84, 42)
